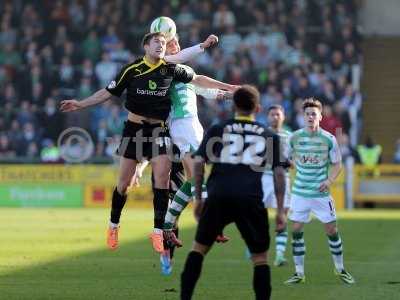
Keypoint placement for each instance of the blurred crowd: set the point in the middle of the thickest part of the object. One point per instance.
(55, 50)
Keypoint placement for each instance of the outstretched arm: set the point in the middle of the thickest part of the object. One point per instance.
(188, 54)
(213, 94)
(207, 82)
(73, 105)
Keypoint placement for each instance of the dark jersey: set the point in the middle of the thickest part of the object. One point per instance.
(240, 152)
(147, 86)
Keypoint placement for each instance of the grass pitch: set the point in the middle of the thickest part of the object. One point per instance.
(61, 254)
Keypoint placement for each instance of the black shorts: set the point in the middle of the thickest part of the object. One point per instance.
(144, 141)
(249, 215)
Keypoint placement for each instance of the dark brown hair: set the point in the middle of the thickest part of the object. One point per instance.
(311, 102)
(276, 106)
(246, 98)
(148, 36)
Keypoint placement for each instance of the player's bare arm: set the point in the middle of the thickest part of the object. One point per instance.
(73, 105)
(210, 41)
(333, 174)
(176, 56)
(207, 82)
(224, 95)
(280, 187)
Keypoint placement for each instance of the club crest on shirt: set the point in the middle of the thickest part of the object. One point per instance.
(163, 71)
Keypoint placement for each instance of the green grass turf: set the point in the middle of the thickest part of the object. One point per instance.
(61, 254)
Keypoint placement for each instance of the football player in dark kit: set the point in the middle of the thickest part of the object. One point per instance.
(239, 151)
(145, 135)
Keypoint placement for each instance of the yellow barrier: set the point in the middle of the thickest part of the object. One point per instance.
(379, 185)
(97, 182)
(338, 192)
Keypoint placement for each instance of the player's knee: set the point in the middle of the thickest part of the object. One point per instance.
(297, 227)
(330, 228)
(202, 249)
(123, 186)
(259, 258)
(161, 179)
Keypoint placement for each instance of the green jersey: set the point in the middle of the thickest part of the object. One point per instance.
(284, 140)
(184, 100)
(312, 154)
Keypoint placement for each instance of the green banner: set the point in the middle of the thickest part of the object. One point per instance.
(41, 195)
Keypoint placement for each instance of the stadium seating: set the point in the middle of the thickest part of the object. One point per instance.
(69, 49)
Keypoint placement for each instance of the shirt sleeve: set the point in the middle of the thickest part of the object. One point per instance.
(184, 55)
(334, 153)
(117, 86)
(183, 73)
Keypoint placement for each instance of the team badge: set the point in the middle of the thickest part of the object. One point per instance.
(163, 71)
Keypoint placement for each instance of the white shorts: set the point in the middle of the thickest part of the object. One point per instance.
(301, 207)
(269, 198)
(186, 134)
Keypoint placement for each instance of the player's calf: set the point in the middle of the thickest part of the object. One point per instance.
(261, 276)
(118, 203)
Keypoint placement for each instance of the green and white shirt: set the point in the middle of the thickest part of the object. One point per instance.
(312, 154)
(284, 136)
(184, 99)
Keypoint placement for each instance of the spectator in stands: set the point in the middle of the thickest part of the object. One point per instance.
(342, 114)
(396, 157)
(91, 47)
(297, 120)
(330, 122)
(110, 41)
(66, 78)
(351, 98)
(337, 67)
(10, 94)
(119, 54)
(10, 58)
(32, 151)
(6, 149)
(50, 152)
(350, 55)
(322, 54)
(185, 17)
(223, 17)
(8, 34)
(328, 93)
(52, 120)
(346, 149)
(105, 70)
(304, 89)
(25, 115)
(370, 156)
(230, 40)
(29, 136)
(78, 45)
